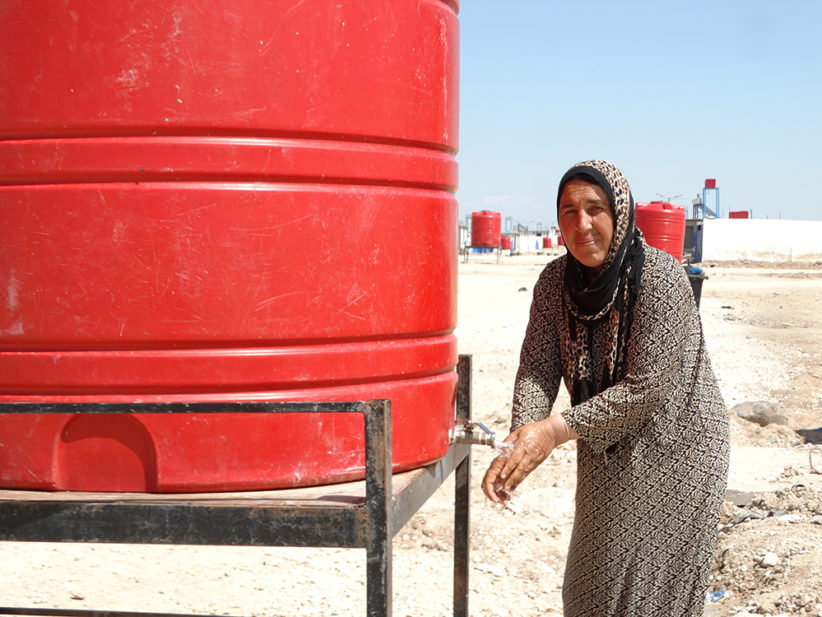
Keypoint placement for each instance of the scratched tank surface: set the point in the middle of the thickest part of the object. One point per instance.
(209, 205)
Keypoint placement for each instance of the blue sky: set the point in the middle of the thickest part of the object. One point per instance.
(672, 92)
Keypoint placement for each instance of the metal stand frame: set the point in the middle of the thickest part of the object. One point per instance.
(293, 517)
(494, 249)
(705, 208)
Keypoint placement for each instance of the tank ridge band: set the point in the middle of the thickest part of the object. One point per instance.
(210, 159)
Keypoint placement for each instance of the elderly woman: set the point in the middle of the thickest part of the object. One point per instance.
(616, 320)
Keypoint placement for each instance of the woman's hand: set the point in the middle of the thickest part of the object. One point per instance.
(532, 442)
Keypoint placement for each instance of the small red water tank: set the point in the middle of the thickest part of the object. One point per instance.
(546, 242)
(663, 226)
(560, 240)
(485, 229)
(200, 205)
(710, 183)
(505, 241)
(738, 214)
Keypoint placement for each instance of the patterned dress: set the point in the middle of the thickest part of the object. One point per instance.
(652, 454)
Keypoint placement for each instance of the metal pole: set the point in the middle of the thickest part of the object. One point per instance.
(704, 200)
(378, 501)
(462, 495)
(717, 202)
(463, 389)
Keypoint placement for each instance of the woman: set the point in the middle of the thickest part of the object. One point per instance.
(616, 320)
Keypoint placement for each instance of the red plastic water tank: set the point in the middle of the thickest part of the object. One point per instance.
(738, 214)
(546, 242)
(663, 226)
(505, 242)
(485, 229)
(199, 204)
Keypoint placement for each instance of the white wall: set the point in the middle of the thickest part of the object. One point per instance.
(761, 240)
(531, 242)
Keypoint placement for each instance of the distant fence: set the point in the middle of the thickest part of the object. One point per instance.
(761, 240)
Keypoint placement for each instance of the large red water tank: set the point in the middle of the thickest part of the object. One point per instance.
(200, 204)
(663, 226)
(485, 229)
(738, 214)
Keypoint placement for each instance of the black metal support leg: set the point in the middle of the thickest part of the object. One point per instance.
(462, 498)
(258, 520)
(462, 495)
(378, 497)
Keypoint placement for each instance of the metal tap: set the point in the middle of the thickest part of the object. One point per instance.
(475, 433)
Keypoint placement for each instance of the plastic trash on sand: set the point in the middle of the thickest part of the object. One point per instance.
(716, 597)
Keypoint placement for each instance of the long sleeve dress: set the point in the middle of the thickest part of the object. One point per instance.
(652, 455)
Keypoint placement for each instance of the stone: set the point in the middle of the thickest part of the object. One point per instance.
(745, 515)
(769, 560)
(762, 413)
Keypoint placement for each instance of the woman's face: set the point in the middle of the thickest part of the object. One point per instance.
(586, 222)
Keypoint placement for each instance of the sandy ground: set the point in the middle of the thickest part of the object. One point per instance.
(764, 333)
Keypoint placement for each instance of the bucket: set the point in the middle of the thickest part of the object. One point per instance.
(696, 285)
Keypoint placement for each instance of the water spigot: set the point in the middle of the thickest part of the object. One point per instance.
(475, 433)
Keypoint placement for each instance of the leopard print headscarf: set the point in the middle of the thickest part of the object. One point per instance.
(610, 295)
